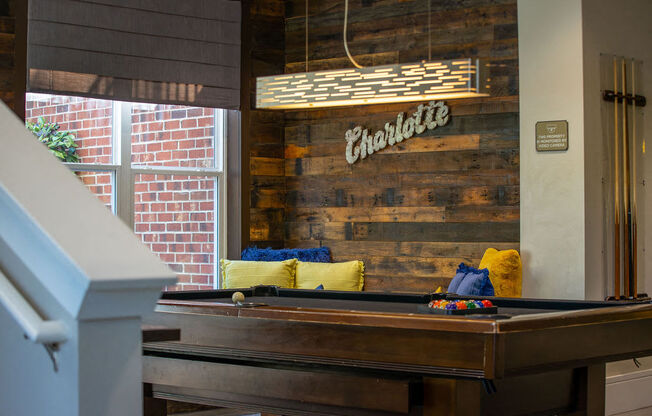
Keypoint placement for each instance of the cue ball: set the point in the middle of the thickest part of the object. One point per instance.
(238, 297)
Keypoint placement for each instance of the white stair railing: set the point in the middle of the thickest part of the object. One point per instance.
(48, 333)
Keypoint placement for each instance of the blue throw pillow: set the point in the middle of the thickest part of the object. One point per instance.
(315, 255)
(459, 275)
(475, 282)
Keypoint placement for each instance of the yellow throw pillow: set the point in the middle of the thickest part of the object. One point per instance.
(348, 275)
(505, 271)
(243, 274)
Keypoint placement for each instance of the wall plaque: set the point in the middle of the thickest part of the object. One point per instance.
(551, 135)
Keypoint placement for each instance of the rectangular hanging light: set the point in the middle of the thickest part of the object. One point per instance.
(457, 78)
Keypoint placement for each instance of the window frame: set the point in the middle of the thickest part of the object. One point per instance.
(124, 172)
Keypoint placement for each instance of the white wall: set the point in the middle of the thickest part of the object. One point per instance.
(552, 183)
(566, 237)
(622, 28)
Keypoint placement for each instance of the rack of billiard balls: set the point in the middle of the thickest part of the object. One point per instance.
(460, 307)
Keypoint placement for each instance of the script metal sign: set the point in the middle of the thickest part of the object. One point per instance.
(427, 117)
(551, 135)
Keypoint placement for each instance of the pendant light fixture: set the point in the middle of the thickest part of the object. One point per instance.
(422, 81)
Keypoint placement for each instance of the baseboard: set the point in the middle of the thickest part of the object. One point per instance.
(628, 392)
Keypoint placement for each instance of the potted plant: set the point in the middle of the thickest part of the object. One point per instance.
(61, 143)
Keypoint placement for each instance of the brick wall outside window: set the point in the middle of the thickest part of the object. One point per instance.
(90, 120)
(173, 214)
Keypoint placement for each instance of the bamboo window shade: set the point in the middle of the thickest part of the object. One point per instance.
(161, 51)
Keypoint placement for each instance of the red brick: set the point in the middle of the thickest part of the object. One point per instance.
(167, 217)
(157, 227)
(189, 123)
(195, 133)
(167, 257)
(195, 112)
(173, 227)
(165, 196)
(182, 238)
(179, 155)
(200, 279)
(179, 134)
(182, 258)
(181, 196)
(160, 248)
(191, 268)
(163, 155)
(157, 207)
(187, 144)
(183, 278)
(197, 154)
(205, 122)
(155, 147)
(154, 127)
(172, 125)
(170, 145)
(198, 216)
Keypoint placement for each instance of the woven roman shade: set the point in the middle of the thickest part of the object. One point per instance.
(162, 51)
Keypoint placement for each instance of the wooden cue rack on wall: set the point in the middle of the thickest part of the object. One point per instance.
(625, 226)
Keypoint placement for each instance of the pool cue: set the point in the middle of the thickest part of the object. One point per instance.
(634, 290)
(626, 178)
(616, 191)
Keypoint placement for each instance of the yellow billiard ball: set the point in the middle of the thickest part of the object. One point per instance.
(238, 297)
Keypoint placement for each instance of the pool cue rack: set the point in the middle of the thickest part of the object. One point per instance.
(625, 225)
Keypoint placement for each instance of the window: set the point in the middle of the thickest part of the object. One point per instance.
(159, 168)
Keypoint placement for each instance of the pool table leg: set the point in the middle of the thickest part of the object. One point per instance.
(592, 393)
(152, 406)
(578, 392)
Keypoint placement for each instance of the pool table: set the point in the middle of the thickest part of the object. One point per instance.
(317, 352)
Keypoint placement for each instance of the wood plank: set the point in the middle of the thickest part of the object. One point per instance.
(404, 284)
(409, 266)
(465, 107)
(381, 8)
(267, 198)
(334, 130)
(407, 180)
(266, 224)
(266, 166)
(401, 196)
(418, 143)
(430, 249)
(363, 214)
(408, 162)
(507, 232)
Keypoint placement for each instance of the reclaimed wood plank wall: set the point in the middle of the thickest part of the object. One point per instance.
(263, 190)
(12, 58)
(412, 212)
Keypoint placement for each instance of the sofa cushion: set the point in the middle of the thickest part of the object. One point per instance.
(505, 271)
(318, 254)
(244, 274)
(475, 282)
(347, 275)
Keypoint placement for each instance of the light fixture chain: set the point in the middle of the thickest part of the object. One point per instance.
(429, 32)
(346, 46)
(307, 36)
